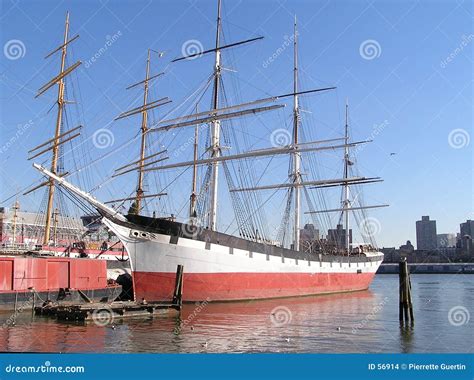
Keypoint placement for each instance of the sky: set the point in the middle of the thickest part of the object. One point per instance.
(405, 68)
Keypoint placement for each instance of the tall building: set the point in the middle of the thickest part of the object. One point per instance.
(338, 236)
(309, 238)
(446, 240)
(466, 235)
(426, 234)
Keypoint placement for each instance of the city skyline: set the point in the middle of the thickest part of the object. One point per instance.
(411, 97)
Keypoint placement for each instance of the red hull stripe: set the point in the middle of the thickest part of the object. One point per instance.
(242, 286)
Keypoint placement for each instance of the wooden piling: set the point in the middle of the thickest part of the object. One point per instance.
(405, 310)
(178, 286)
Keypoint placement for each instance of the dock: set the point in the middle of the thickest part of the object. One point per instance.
(107, 312)
(102, 313)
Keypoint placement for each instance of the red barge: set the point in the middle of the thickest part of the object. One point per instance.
(25, 281)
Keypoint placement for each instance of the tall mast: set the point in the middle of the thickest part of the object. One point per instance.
(215, 127)
(16, 207)
(139, 194)
(55, 149)
(346, 202)
(192, 204)
(296, 154)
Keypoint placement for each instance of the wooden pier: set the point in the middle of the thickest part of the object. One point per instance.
(107, 312)
(104, 313)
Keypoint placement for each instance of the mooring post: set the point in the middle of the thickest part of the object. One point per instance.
(178, 286)
(405, 306)
(400, 292)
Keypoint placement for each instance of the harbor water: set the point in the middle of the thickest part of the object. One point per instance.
(357, 322)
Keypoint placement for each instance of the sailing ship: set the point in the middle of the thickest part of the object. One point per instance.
(226, 267)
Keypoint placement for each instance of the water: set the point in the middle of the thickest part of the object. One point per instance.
(358, 322)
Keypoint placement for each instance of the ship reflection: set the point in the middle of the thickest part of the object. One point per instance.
(333, 323)
(307, 324)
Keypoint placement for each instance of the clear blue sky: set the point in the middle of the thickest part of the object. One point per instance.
(414, 77)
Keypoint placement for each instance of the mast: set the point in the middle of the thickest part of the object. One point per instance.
(215, 128)
(55, 147)
(192, 205)
(139, 194)
(296, 154)
(346, 202)
(55, 228)
(16, 207)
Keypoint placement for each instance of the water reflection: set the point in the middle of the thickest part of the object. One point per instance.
(357, 322)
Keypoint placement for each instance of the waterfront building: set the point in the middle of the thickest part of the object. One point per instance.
(309, 238)
(26, 229)
(338, 237)
(466, 235)
(426, 234)
(407, 248)
(446, 240)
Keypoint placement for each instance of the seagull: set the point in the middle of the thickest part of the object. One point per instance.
(287, 340)
(192, 328)
(392, 154)
(204, 345)
(338, 329)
